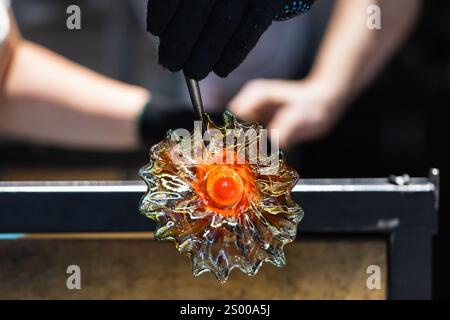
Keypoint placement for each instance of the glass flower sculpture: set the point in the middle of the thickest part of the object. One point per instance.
(225, 203)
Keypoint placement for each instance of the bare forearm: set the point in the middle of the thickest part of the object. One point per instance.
(51, 100)
(352, 54)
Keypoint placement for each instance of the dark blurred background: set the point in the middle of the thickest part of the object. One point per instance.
(398, 126)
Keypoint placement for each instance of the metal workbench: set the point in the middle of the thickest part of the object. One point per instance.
(401, 210)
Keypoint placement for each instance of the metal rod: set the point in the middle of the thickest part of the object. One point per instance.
(306, 186)
(196, 98)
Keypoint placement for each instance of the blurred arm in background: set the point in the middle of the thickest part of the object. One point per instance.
(48, 99)
(350, 57)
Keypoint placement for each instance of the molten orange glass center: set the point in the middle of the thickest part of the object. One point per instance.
(225, 187)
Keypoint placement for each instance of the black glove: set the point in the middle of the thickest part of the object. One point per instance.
(200, 36)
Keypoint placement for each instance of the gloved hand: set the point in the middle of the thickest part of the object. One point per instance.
(200, 36)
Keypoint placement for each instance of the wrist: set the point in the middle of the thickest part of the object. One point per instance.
(332, 99)
(142, 130)
(331, 88)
